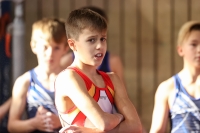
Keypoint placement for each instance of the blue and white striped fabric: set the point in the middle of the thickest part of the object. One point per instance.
(185, 111)
(38, 96)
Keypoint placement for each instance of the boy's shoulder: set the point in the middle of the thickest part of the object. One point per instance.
(111, 74)
(115, 79)
(166, 88)
(24, 77)
(22, 83)
(68, 75)
(167, 84)
(67, 59)
(114, 59)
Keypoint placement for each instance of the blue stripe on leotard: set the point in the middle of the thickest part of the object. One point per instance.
(185, 111)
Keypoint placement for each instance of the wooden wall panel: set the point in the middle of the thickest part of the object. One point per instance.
(98, 3)
(195, 9)
(47, 8)
(147, 61)
(79, 4)
(130, 53)
(113, 32)
(31, 15)
(180, 17)
(163, 40)
(64, 8)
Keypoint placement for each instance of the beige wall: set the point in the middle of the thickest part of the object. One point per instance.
(142, 32)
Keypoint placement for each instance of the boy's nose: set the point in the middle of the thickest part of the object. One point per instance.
(198, 48)
(100, 45)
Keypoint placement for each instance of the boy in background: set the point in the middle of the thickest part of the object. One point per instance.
(33, 92)
(178, 98)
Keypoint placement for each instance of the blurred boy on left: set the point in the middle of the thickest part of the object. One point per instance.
(33, 92)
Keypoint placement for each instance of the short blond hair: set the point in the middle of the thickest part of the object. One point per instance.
(186, 30)
(49, 28)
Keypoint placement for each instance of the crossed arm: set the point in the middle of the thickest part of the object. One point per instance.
(125, 107)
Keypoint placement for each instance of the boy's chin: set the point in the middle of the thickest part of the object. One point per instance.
(48, 67)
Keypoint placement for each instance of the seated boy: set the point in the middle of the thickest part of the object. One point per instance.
(84, 96)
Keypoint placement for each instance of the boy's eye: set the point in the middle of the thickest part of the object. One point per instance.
(194, 44)
(103, 39)
(92, 40)
(57, 48)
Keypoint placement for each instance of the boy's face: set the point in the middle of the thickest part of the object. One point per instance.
(190, 49)
(49, 53)
(91, 47)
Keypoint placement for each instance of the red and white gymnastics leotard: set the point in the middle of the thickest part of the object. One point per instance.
(103, 96)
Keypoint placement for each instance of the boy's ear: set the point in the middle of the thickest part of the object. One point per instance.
(33, 46)
(180, 50)
(71, 44)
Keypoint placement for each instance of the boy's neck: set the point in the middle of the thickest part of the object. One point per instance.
(87, 69)
(190, 75)
(47, 74)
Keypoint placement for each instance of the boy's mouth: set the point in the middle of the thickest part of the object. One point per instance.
(99, 55)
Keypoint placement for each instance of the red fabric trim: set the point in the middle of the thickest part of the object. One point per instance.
(107, 79)
(79, 119)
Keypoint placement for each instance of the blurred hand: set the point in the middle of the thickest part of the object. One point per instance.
(55, 121)
(43, 122)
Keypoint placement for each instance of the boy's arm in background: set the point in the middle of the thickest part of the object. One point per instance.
(15, 124)
(67, 59)
(70, 84)
(116, 66)
(4, 108)
(161, 108)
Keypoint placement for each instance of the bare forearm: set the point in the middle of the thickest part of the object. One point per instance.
(4, 108)
(110, 121)
(22, 126)
(122, 128)
(131, 122)
(127, 127)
